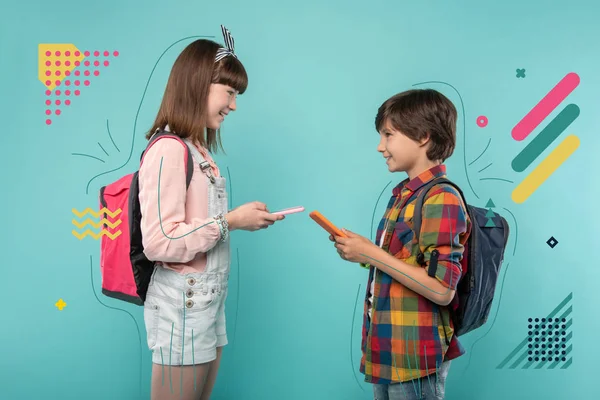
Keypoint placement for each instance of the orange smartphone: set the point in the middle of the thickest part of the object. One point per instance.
(326, 224)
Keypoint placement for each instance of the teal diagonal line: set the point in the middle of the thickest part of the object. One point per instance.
(567, 353)
(567, 364)
(521, 346)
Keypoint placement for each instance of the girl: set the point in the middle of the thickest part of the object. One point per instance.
(186, 231)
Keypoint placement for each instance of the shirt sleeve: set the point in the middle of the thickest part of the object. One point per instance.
(167, 235)
(443, 228)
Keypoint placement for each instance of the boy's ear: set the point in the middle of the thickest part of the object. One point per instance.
(424, 140)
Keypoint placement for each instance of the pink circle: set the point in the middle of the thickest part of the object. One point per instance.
(482, 121)
(68, 83)
(57, 83)
(77, 53)
(76, 83)
(48, 73)
(77, 73)
(48, 112)
(57, 54)
(87, 63)
(96, 73)
(87, 53)
(48, 83)
(77, 63)
(57, 73)
(48, 122)
(106, 53)
(48, 93)
(106, 63)
(57, 102)
(68, 63)
(57, 112)
(58, 92)
(86, 83)
(68, 53)
(48, 102)
(77, 93)
(87, 73)
(67, 93)
(116, 53)
(48, 63)
(96, 53)
(57, 63)
(68, 73)
(48, 54)
(96, 63)
(68, 102)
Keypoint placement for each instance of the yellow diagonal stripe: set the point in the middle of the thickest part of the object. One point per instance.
(53, 58)
(546, 168)
(96, 214)
(88, 221)
(96, 236)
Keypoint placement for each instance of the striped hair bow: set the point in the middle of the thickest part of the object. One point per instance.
(228, 50)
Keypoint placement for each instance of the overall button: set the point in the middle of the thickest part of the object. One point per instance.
(191, 281)
(189, 293)
(189, 304)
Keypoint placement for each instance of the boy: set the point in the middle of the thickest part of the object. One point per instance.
(407, 339)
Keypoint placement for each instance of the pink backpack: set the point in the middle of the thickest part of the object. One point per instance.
(124, 267)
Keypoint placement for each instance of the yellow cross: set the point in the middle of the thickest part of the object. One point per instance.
(60, 304)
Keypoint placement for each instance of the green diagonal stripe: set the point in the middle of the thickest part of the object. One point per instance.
(545, 138)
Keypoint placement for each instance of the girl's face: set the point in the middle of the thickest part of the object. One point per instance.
(221, 100)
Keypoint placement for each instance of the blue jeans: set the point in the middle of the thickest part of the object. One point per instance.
(428, 388)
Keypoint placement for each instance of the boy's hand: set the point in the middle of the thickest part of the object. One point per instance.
(351, 248)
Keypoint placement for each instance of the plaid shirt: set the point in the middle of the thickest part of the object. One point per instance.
(409, 336)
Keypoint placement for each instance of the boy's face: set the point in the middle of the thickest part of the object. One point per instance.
(401, 152)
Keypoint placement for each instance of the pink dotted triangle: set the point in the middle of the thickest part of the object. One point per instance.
(69, 83)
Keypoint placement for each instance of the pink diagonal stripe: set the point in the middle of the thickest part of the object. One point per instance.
(545, 106)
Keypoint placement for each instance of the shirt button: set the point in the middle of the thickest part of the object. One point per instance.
(189, 304)
(191, 281)
(189, 293)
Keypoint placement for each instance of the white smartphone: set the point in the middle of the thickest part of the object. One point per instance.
(291, 210)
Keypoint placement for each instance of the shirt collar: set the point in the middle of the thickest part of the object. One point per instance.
(420, 180)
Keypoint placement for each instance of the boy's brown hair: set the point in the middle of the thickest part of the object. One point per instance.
(420, 112)
(184, 103)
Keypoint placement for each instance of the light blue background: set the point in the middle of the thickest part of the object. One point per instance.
(303, 135)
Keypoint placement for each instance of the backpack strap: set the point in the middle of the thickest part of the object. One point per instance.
(188, 159)
(417, 220)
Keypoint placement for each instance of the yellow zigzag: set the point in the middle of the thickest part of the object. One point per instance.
(95, 235)
(96, 214)
(88, 221)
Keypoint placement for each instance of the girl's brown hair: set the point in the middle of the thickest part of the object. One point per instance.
(184, 104)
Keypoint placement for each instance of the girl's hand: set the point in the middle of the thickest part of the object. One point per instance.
(352, 247)
(251, 217)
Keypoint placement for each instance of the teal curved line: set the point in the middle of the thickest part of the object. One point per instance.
(138, 111)
(496, 179)
(351, 336)
(482, 153)
(87, 155)
(516, 230)
(375, 208)
(125, 311)
(110, 136)
(462, 105)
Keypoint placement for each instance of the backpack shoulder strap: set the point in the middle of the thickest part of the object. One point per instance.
(188, 159)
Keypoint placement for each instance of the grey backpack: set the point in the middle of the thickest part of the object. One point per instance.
(483, 256)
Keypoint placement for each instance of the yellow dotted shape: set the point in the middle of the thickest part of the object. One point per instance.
(51, 54)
